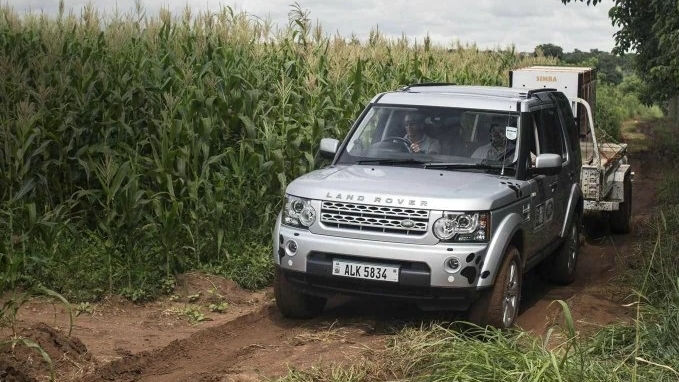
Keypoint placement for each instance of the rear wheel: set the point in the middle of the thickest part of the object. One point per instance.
(293, 303)
(560, 267)
(499, 306)
(620, 220)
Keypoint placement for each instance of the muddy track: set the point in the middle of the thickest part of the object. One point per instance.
(262, 343)
(227, 344)
(255, 344)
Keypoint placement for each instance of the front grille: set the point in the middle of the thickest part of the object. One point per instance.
(363, 217)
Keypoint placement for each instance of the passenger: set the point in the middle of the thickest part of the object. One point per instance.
(420, 142)
(498, 147)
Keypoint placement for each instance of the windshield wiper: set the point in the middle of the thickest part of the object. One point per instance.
(453, 165)
(392, 161)
(476, 166)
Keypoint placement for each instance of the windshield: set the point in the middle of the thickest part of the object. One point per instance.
(435, 136)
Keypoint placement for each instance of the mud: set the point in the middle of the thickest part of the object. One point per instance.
(69, 356)
(256, 344)
(210, 288)
(251, 341)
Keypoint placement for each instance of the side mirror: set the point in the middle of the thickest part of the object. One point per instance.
(547, 164)
(329, 147)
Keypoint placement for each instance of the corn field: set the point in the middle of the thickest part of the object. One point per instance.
(135, 147)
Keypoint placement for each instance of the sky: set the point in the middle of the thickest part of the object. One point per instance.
(488, 23)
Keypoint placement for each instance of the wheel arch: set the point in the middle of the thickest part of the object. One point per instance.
(509, 232)
(575, 205)
(517, 241)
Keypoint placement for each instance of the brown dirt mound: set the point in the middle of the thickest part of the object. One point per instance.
(193, 349)
(68, 354)
(210, 288)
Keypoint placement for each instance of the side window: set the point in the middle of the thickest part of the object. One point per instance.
(549, 132)
(569, 121)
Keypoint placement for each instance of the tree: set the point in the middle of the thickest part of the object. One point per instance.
(549, 50)
(607, 67)
(610, 68)
(651, 28)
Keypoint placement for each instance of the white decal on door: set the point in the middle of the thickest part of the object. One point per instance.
(544, 213)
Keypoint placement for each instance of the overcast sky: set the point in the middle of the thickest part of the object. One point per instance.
(489, 23)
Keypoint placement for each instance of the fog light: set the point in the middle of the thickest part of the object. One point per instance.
(452, 265)
(291, 248)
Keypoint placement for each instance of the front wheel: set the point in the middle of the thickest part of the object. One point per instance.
(499, 306)
(293, 303)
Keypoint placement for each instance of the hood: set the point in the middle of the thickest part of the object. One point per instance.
(409, 187)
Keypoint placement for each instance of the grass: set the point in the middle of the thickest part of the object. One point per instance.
(136, 147)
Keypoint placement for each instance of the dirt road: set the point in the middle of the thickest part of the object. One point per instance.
(251, 340)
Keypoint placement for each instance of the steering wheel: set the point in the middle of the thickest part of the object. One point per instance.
(402, 140)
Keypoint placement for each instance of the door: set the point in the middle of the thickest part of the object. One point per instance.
(551, 191)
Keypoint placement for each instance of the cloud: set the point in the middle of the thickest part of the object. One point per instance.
(488, 23)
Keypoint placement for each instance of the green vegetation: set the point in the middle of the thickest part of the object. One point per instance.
(611, 69)
(618, 103)
(650, 30)
(133, 148)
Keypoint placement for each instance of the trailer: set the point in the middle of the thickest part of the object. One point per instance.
(606, 176)
(574, 82)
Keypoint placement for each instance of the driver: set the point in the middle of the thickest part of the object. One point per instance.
(420, 142)
(498, 146)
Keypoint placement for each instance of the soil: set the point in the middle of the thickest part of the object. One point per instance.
(68, 354)
(116, 340)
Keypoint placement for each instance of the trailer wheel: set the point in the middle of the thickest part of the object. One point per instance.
(620, 220)
(293, 303)
(499, 306)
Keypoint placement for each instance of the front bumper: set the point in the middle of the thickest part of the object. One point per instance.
(325, 285)
(422, 267)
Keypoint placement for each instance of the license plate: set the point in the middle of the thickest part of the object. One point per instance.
(365, 271)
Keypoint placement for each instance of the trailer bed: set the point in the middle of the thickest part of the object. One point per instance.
(609, 153)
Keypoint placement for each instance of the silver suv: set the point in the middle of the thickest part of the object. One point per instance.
(443, 195)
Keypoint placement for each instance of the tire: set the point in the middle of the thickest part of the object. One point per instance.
(560, 266)
(292, 303)
(499, 307)
(620, 220)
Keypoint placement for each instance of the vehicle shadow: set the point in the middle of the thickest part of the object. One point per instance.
(596, 265)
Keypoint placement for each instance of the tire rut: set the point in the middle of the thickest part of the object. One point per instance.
(200, 356)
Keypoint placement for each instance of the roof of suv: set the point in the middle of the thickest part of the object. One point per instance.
(472, 97)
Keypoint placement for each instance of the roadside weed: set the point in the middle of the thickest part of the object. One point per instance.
(218, 307)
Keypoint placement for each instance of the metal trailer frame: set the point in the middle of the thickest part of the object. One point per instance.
(602, 178)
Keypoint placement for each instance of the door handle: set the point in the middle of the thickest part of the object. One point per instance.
(554, 186)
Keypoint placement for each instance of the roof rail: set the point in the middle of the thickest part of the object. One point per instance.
(407, 87)
(535, 91)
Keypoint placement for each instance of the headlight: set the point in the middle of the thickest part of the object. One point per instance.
(298, 212)
(463, 227)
